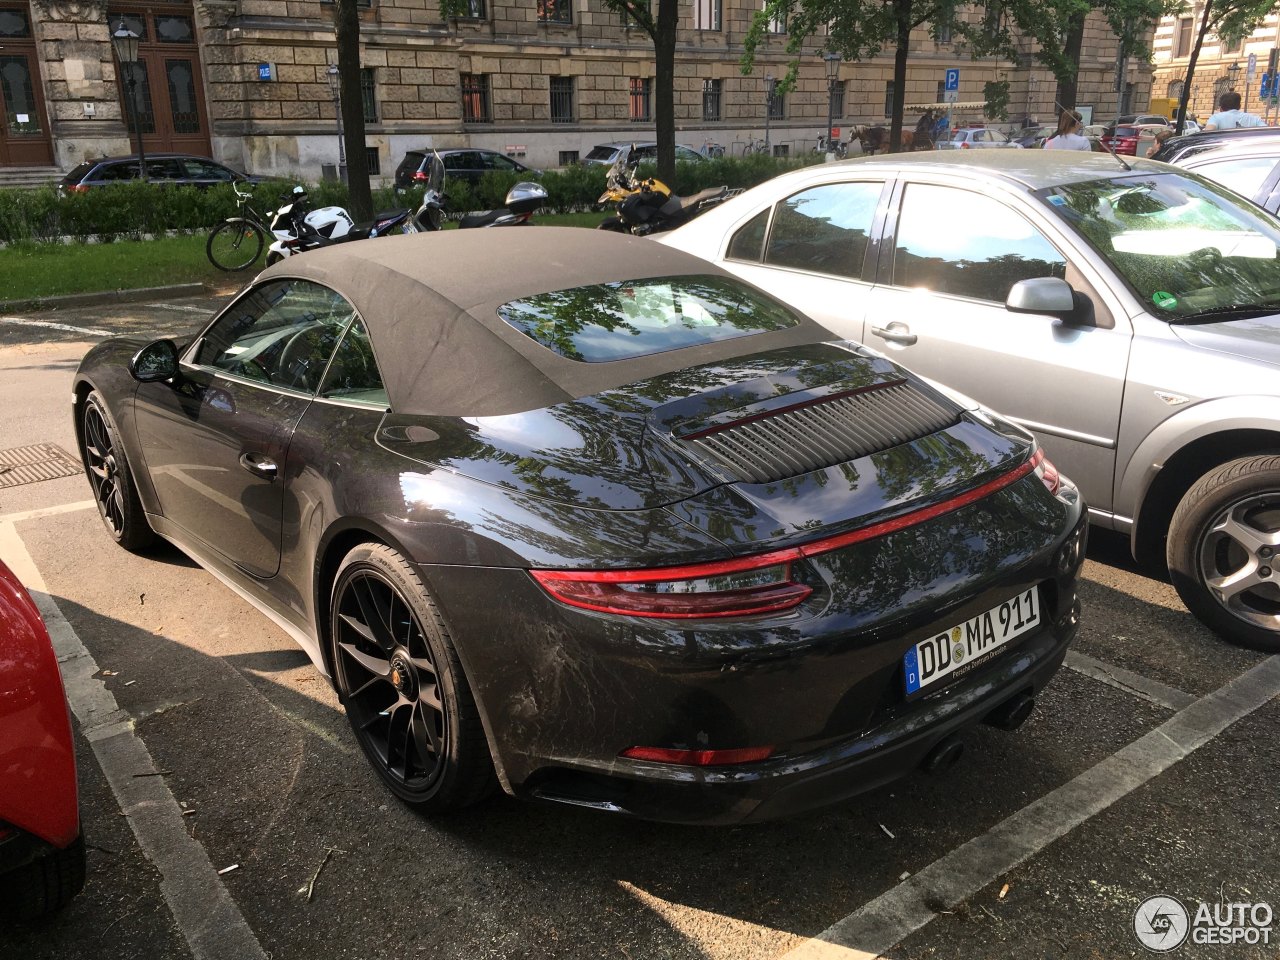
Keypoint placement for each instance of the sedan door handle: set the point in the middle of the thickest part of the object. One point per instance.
(259, 465)
(896, 333)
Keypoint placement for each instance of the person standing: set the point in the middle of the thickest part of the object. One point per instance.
(1230, 116)
(1068, 136)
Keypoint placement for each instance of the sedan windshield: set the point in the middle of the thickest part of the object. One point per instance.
(1188, 249)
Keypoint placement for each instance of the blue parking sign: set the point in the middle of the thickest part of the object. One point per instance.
(1266, 85)
(953, 79)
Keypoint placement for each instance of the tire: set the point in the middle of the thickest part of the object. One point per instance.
(109, 475)
(613, 225)
(1226, 534)
(273, 258)
(45, 884)
(235, 244)
(405, 693)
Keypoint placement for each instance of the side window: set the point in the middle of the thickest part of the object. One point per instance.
(281, 333)
(497, 161)
(748, 242)
(114, 172)
(967, 244)
(825, 229)
(1245, 176)
(353, 374)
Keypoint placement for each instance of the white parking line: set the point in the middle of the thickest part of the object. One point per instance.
(203, 311)
(202, 909)
(48, 511)
(1150, 690)
(882, 923)
(49, 324)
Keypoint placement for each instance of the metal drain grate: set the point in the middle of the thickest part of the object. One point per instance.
(41, 461)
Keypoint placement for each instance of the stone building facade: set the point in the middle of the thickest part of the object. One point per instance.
(1221, 66)
(248, 81)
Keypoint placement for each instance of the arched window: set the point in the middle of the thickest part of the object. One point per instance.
(1175, 89)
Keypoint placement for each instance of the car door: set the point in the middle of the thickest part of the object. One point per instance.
(1254, 177)
(811, 250)
(215, 438)
(949, 258)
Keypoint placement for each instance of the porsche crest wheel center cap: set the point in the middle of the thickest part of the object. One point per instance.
(402, 677)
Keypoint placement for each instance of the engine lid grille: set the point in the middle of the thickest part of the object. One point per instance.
(807, 436)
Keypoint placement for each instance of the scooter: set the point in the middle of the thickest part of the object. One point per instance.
(298, 229)
(648, 206)
(521, 201)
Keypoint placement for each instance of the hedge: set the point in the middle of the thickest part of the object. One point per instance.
(134, 210)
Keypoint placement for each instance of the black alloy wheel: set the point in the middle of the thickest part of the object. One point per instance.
(109, 476)
(402, 685)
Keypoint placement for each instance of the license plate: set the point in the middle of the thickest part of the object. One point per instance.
(966, 643)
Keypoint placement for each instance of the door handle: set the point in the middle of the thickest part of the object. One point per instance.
(259, 465)
(896, 333)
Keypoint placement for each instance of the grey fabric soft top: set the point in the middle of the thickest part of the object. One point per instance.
(431, 303)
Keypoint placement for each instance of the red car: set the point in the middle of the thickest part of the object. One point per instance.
(1123, 138)
(42, 858)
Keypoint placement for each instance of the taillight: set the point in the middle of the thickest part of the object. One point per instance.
(965, 145)
(1047, 472)
(419, 176)
(745, 585)
(79, 188)
(698, 758)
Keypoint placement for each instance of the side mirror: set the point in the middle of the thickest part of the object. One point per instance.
(158, 360)
(1051, 296)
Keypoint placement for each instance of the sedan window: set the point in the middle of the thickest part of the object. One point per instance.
(281, 333)
(967, 244)
(1245, 175)
(353, 373)
(825, 229)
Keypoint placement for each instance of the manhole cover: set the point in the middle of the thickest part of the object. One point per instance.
(41, 461)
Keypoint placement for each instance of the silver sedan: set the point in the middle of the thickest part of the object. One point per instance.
(1127, 312)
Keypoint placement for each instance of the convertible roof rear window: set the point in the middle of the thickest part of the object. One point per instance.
(638, 318)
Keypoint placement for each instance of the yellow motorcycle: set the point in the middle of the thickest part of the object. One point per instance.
(648, 206)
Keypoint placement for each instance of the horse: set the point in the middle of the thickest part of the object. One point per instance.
(875, 139)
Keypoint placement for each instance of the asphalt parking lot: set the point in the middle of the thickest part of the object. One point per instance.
(1147, 769)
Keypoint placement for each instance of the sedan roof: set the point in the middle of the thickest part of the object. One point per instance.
(1032, 169)
(431, 303)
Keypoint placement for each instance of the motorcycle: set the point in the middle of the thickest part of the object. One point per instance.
(648, 206)
(521, 201)
(298, 229)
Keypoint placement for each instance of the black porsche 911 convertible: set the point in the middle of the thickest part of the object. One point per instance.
(597, 523)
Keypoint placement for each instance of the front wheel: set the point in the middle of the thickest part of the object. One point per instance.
(402, 684)
(109, 475)
(1224, 551)
(44, 885)
(235, 244)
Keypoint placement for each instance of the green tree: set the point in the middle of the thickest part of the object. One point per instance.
(346, 25)
(1230, 20)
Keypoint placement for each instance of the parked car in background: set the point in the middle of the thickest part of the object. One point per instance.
(1123, 138)
(1033, 136)
(466, 163)
(976, 138)
(1129, 316)
(42, 851)
(615, 475)
(604, 154)
(176, 169)
(1141, 119)
(1244, 160)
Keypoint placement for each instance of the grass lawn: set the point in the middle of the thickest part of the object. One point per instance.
(50, 270)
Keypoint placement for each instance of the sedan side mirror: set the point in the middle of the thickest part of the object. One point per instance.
(158, 360)
(1051, 296)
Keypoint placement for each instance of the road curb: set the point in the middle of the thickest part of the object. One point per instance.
(102, 297)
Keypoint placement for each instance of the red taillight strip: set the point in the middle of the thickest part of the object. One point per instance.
(698, 758)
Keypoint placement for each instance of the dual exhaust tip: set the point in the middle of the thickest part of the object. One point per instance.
(1010, 715)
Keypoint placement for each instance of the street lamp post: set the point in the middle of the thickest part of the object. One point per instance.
(768, 110)
(335, 88)
(833, 69)
(125, 43)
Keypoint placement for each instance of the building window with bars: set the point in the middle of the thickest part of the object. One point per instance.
(562, 99)
(374, 160)
(1182, 38)
(641, 88)
(1231, 45)
(475, 98)
(777, 24)
(475, 10)
(555, 11)
(706, 14)
(1174, 89)
(777, 106)
(888, 98)
(711, 99)
(368, 95)
(568, 158)
(941, 95)
(837, 99)
(944, 33)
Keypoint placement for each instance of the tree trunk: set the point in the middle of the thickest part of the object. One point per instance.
(1065, 98)
(902, 15)
(664, 54)
(1191, 69)
(346, 24)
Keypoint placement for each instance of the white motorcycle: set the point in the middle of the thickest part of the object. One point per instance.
(298, 229)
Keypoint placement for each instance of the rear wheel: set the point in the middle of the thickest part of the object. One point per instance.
(402, 684)
(1224, 551)
(110, 477)
(235, 244)
(45, 884)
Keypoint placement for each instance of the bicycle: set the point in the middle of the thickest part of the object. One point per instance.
(836, 147)
(755, 146)
(237, 242)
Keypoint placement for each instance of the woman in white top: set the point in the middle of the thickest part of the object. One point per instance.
(1068, 135)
